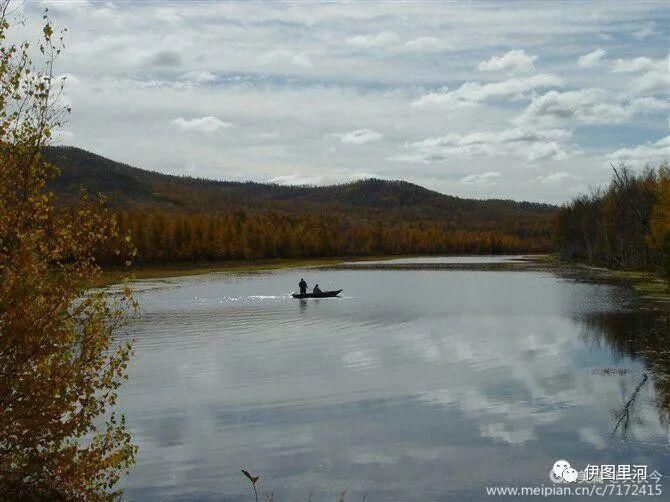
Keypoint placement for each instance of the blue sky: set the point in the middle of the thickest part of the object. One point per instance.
(481, 99)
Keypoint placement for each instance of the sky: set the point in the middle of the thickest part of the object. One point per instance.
(523, 100)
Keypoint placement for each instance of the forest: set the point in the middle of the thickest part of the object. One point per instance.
(160, 237)
(625, 225)
(171, 219)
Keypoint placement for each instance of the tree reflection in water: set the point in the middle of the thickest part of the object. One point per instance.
(624, 415)
(642, 336)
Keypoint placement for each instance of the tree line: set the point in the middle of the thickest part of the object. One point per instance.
(625, 225)
(160, 236)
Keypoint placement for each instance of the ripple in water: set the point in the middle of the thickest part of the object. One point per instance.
(417, 385)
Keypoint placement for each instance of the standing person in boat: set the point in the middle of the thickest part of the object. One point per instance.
(303, 286)
(316, 290)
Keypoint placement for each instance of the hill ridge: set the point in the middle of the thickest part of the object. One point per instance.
(129, 186)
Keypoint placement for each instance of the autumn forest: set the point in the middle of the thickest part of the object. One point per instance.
(172, 219)
(175, 219)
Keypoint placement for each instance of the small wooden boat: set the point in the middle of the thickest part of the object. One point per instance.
(323, 294)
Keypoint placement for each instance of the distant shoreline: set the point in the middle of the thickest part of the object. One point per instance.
(115, 275)
(156, 271)
(649, 286)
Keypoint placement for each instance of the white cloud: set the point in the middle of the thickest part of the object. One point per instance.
(320, 179)
(637, 64)
(279, 56)
(62, 135)
(486, 178)
(592, 58)
(56, 5)
(641, 155)
(266, 135)
(69, 79)
(359, 136)
(291, 71)
(383, 39)
(428, 44)
(550, 150)
(517, 142)
(512, 61)
(652, 82)
(199, 76)
(203, 124)
(471, 93)
(167, 15)
(590, 106)
(557, 177)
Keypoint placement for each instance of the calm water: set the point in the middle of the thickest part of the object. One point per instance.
(415, 385)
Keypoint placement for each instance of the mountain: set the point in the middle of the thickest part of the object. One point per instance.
(131, 187)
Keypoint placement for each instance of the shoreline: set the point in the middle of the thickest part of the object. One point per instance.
(117, 275)
(649, 286)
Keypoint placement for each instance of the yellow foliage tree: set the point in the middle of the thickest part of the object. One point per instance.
(59, 368)
(660, 220)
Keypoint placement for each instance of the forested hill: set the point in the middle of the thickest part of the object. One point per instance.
(130, 187)
(173, 218)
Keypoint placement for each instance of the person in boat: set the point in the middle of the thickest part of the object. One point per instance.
(317, 290)
(303, 286)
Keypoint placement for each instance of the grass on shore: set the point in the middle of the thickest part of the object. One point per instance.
(648, 285)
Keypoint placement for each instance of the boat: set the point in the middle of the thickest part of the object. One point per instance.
(323, 294)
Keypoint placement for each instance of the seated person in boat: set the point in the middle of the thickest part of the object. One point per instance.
(303, 286)
(316, 290)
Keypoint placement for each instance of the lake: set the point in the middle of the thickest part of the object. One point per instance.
(414, 385)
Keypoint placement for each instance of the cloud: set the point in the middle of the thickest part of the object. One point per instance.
(652, 82)
(646, 31)
(512, 61)
(168, 15)
(516, 142)
(427, 44)
(557, 177)
(383, 39)
(635, 65)
(641, 155)
(62, 135)
(203, 124)
(266, 135)
(592, 58)
(56, 5)
(471, 93)
(248, 64)
(164, 58)
(359, 136)
(69, 78)
(199, 76)
(320, 179)
(279, 56)
(550, 150)
(486, 178)
(590, 106)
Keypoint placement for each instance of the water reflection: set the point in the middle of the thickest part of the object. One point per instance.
(641, 336)
(416, 385)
